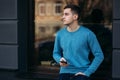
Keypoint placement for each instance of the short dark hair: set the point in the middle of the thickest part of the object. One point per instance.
(75, 9)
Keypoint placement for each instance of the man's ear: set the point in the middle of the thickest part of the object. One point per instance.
(75, 17)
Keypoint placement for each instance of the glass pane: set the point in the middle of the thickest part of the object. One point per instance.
(96, 15)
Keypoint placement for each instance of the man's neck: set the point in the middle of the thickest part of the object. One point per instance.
(73, 27)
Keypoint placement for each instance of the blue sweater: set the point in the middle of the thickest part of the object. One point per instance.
(75, 47)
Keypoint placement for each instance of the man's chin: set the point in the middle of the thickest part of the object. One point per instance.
(66, 24)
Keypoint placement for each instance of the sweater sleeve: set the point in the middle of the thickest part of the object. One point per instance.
(57, 52)
(97, 52)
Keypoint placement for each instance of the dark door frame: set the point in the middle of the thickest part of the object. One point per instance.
(25, 34)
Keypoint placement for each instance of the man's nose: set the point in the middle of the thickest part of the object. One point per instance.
(62, 18)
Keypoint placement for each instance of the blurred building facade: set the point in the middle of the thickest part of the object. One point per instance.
(47, 17)
(48, 14)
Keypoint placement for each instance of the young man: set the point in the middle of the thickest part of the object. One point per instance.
(72, 47)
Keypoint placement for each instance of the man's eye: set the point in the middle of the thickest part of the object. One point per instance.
(66, 14)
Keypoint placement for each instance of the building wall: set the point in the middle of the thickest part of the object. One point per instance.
(116, 40)
(16, 19)
(8, 34)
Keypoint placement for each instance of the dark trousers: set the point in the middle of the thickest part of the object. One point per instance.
(68, 76)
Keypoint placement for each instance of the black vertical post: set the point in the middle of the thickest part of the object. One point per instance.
(25, 34)
(23, 25)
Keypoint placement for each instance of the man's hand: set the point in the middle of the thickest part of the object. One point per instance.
(63, 62)
(79, 73)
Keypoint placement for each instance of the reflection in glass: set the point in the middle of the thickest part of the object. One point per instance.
(48, 21)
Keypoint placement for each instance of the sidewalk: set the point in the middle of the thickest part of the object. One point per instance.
(9, 75)
(13, 75)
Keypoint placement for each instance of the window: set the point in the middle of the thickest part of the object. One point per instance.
(57, 8)
(42, 8)
(42, 29)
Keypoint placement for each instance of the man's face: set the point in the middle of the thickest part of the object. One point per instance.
(68, 16)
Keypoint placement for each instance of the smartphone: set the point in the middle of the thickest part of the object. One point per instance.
(63, 62)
